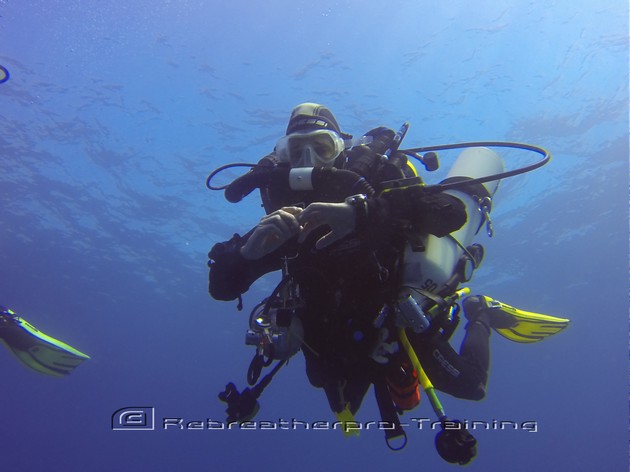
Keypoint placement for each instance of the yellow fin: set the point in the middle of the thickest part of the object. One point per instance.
(349, 425)
(529, 327)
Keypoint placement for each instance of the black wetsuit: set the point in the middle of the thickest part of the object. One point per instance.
(344, 288)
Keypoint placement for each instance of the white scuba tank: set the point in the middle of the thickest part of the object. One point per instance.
(429, 268)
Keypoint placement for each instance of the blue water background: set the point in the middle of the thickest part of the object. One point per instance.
(114, 114)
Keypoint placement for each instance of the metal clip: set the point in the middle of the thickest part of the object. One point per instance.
(485, 205)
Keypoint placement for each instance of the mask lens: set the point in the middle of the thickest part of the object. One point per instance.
(323, 145)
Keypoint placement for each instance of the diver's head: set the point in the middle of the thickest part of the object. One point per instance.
(313, 138)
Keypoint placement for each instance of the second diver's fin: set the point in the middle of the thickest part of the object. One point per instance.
(518, 325)
(348, 424)
(35, 349)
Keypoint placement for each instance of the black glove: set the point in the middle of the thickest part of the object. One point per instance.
(382, 139)
(363, 161)
(368, 161)
(434, 213)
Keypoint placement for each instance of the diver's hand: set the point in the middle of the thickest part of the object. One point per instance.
(339, 217)
(272, 232)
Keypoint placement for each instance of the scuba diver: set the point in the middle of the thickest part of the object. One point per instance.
(35, 349)
(371, 261)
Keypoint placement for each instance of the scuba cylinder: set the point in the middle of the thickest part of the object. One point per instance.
(428, 267)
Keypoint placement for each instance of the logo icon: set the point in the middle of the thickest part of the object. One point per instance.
(134, 418)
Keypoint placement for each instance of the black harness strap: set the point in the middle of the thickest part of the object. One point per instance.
(389, 416)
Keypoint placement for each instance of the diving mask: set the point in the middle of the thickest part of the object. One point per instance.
(317, 148)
